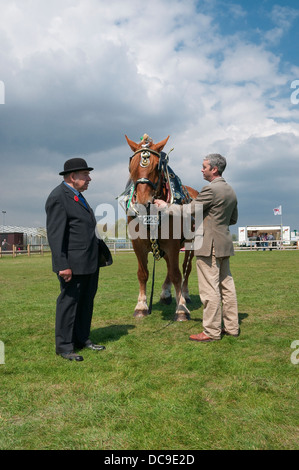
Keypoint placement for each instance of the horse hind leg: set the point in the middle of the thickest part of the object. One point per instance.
(187, 267)
(182, 313)
(174, 277)
(166, 296)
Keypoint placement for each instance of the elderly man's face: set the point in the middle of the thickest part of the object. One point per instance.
(80, 180)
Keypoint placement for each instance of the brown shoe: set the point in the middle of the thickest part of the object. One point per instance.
(202, 337)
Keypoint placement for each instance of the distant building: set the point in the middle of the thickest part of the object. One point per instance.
(23, 236)
(7, 240)
(250, 232)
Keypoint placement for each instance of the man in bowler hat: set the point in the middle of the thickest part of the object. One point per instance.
(77, 255)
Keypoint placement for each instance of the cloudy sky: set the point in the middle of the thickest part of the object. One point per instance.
(217, 76)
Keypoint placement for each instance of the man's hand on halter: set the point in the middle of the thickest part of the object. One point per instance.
(160, 204)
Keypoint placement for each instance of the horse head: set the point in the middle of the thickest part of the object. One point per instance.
(144, 168)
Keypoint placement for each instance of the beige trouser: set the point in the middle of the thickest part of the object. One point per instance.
(216, 289)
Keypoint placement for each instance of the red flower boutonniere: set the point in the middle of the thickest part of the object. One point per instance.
(76, 198)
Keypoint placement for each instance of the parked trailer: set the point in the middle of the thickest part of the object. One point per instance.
(249, 234)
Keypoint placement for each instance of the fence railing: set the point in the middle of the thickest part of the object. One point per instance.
(127, 246)
(265, 245)
(29, 250)
(119, 246)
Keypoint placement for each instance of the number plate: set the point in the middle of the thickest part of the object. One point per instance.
(150, 220)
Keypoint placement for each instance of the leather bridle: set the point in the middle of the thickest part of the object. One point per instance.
(144, 162)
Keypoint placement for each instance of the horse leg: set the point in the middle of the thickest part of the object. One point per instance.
(141, 309)
(182, 313)
(187, 267)
(166, 297)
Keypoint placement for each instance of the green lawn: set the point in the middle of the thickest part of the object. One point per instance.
(152, 388)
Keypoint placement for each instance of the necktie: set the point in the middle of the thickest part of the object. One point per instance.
(82, 200)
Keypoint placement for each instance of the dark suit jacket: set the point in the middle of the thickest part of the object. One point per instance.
(71, 234)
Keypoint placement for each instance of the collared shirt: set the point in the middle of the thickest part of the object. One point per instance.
(73, 189)
(77, 193)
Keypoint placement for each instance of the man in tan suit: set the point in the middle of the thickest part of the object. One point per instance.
(216, 285)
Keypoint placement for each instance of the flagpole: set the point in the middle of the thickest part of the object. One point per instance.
(278, 211)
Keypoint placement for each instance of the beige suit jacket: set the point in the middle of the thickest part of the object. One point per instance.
(219, 211)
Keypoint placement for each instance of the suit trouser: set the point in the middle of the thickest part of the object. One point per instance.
(74, 310)
(218, 295)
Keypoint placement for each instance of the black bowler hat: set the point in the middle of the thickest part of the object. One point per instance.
(75, 164)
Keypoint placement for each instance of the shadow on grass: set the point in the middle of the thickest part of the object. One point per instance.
(168, 311)
(242, 317)
(110, 333)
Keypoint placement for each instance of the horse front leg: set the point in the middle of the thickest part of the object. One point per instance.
(141, 309)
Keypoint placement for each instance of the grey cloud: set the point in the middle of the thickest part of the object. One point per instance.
(85, 77)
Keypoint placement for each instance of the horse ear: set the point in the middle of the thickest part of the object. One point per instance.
(160, 145)
(132, 144)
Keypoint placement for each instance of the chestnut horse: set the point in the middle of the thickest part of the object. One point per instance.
(149, 180)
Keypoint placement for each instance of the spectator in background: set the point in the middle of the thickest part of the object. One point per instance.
(4, 245)
(270, 239)
(258, 242)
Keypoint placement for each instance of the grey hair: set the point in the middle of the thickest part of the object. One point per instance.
(217, 160)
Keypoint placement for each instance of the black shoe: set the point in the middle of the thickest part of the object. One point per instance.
(94, 347)
(71, 356)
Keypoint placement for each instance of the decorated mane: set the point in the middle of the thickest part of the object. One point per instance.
(147, 142)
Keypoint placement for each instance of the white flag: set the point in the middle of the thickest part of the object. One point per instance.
(277, 210)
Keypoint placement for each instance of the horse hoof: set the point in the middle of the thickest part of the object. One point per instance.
(166, 300)
(140, 313)
(182, 317)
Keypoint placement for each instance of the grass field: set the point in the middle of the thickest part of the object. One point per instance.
(152, 388)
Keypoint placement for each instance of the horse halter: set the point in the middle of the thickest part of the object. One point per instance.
(144, 162)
